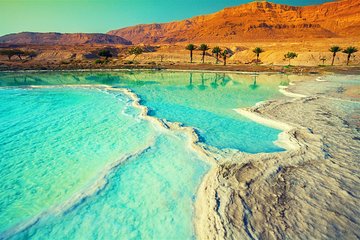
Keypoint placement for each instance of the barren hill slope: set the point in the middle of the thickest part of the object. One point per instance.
(62, 38)
(255, 21)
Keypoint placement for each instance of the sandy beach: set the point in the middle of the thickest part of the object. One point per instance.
(309, 191)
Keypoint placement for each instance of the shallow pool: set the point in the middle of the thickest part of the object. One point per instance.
(81, 163)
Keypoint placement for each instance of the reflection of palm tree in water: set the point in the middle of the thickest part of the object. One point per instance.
(76, 78)
(202, 86)
(109, 79)
(190, 86)
(254, 85)
(214, 84)
(24, 80)
(224, 80)
(286, 82)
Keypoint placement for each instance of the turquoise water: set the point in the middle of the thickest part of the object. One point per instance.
(207, 102)
(54, 142)
(81, 163)
(146, 198)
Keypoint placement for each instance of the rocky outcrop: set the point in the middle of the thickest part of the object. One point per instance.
(254, 21)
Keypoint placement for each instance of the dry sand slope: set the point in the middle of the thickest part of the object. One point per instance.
(311, 192)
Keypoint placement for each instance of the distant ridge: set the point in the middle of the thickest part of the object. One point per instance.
(62, 38)
(260, 20)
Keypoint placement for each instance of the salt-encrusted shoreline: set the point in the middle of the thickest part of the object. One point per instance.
(309, 191)
(251, 196)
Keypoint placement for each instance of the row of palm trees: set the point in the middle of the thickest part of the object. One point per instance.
(218, 52)
(349, 51)
(204, 47)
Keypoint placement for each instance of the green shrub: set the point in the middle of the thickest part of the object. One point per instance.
(105, 53)
(136, 51)
(12, 52)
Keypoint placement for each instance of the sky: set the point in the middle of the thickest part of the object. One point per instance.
(104, 15)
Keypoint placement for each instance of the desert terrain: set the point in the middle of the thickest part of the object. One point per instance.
(278, 29)
(310, 55)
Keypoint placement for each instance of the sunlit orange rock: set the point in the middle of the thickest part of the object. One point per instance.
(255, 21)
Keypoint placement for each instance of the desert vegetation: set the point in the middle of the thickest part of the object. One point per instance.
(12, 52)
(334, 49)
(203, 47)
(323, 59)
(31, 54)
(172, 55)
(105, 53)
(136, 51)
(224, 55)
(9, 53)
(258, 51)
(349, 51)
(191, 47)
(289, 56)
(217, 52)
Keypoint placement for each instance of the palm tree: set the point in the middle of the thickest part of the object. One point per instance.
(334, 50)
(290, 55)
(257, 51)
(224, 55)
(216, 51)
(349, 51)
(191, 47)
(203, 47)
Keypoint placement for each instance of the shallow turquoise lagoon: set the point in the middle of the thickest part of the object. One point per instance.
(81, 163)
(149, 197)
(55, 142)
(205, 101)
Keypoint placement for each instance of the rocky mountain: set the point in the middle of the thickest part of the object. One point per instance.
(255, 21)
(62, 38)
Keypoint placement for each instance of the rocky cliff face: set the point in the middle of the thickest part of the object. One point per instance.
(255, 21)
(62, 39)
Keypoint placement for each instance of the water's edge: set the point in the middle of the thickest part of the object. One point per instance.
(209, 154)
